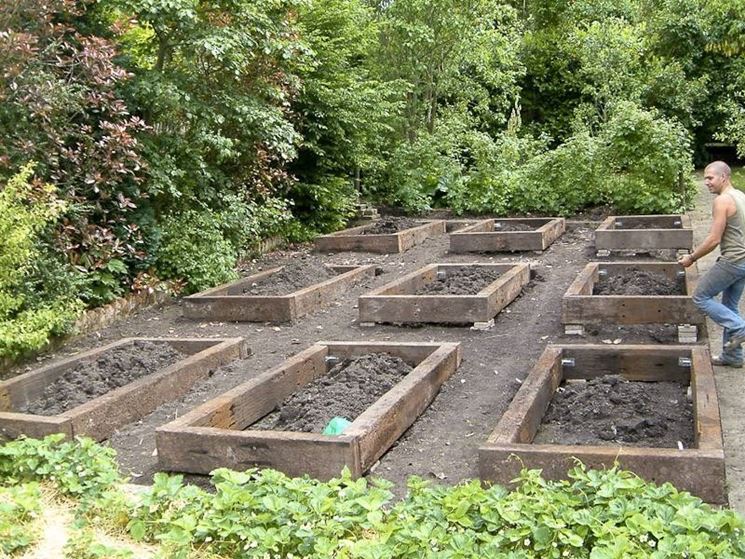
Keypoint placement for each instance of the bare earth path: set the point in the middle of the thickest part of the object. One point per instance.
(443, 443)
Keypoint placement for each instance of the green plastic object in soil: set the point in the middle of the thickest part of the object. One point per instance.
(336, 426)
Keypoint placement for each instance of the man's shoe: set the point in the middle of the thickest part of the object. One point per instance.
(735, 342)
(723, 362)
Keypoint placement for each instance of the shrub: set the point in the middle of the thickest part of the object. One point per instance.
(646, 161)
(194, 250)
(36, 289)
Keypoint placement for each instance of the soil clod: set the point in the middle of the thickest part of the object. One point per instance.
(508, 226)
(610, 410)
(635, 281)
(388, 225)
(460, 281)
(293, 276)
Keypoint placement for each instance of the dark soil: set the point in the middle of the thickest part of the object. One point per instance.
(644, 225)
(292, 277)
(461, 281)
(347, 390)
(113, 369)
(505, 226)
(609, 410)
(388, 225)
(635, 281)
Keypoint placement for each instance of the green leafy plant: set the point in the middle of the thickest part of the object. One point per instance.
(37, 294)
(20, 506)
(195, 250)
(79, 468)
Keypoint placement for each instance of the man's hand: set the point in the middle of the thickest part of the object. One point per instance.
(686, 260)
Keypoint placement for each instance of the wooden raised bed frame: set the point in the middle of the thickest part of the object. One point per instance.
(699, 470)
(580, 306)
(660, 232)
(100, 417)
(397, 303)
(228, 303)
(353, 239)
(484, 237)
(213, 436)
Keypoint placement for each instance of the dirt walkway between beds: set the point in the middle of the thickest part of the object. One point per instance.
(443, 443)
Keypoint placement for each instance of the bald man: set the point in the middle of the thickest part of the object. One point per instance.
(727, 276)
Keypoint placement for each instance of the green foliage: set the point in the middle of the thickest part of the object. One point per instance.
(79, 468)
(19, 507)
(83, 544)
(638, 161)
(648, 161)
(37, 291)
(215, 80)
(595, 514)
(194, 249)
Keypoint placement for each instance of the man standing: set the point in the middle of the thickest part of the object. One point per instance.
(727, 276)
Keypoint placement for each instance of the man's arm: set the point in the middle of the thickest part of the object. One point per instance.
(719, 221)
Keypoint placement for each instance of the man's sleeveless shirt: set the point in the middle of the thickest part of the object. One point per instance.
(732, 245)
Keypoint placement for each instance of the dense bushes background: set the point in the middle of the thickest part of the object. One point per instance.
(180, 133)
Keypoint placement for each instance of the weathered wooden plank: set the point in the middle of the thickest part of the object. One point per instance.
(229, 304)
(661, 234)
(397, 303)
(708, 424)
(580, 306)
(520, 422)
(700, 472)
(412, 353)
(200, 450)
(354, 240)
(13, 425)
(483, 237)
(633, 362)
(386, 420)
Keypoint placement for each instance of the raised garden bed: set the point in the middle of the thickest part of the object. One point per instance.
(699, 469)
(359, 239)
(507, 235)
(219, 433)
(53, 392)
(633, 293)
(234, 301)
(446, 293)
(644, 232)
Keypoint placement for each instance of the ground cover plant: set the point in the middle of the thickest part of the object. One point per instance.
(594, 514)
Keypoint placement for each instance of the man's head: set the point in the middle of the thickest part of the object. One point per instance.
(717, 176)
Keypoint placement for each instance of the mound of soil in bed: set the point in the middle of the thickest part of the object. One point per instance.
(463, 281)
(112, 369)
(347, 390)
(294, 276)
(644, 225)
(634, 281)
(388, 225)
(609, 410)
(506, 226)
